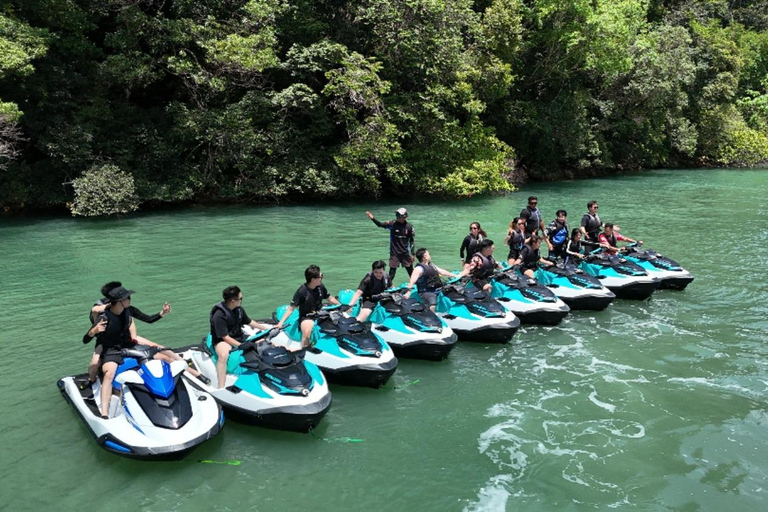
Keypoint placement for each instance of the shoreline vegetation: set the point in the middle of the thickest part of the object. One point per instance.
(108, 105)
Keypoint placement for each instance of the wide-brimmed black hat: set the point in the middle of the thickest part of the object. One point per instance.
(119, 293)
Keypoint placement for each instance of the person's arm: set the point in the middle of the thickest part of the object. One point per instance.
(98, 309)
(260, 326)
(444, 272)
(333, 300)
(546, 262)
(287, 314)
(412, 238)
(95, 330)
(415, 275)
(375, 221)
(570, 252)
(549, 230)
(464, 245)
(355, 297)
(143, 317)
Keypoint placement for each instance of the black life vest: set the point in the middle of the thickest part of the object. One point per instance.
(486, 269)
(530, 257)
(429, 280)
(234, 319)
(593, 226)
(611, 239)
(516, 240)
(533, 222)
(375, 286)
(117, 334)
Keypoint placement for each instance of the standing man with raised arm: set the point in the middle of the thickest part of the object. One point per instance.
(532, 217)
(401, 239)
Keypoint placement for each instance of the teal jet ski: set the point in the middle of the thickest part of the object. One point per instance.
(574, 287)
(409, 327)
(672, 275)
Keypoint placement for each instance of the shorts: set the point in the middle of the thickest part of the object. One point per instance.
(429, 297)
(480, 283)
(395, 260)
(369, 304)
(302, 318)
(113, 355)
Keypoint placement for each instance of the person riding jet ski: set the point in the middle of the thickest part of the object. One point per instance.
(267, 385)
(373, 284)
(426, 279)
(344, 349)
(157, 416)
(227, 319)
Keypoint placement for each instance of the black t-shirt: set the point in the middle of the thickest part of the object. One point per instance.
(309, 300)
(228, 324)
(371, 286)
(401, 235)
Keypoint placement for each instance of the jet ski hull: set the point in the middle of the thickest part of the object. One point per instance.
(677, 282)
(430, 350)
(246, 399)
(122, 437)
(589, 302)
(636, 290)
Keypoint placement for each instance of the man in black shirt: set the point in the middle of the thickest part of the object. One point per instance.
(401, 237)
(374, 282)
(309, 299)
(532, 217)
(227, 320)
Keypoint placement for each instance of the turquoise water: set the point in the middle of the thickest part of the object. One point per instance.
(657, 405)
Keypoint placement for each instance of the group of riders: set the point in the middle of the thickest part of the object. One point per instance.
(113, 316)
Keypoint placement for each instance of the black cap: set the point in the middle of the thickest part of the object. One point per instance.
(119, 293)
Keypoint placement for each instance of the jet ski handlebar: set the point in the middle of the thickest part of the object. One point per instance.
(141, 352)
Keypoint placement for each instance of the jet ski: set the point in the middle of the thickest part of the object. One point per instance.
(672, 275)
(409, 327)
(346, 351)
(574, 287)
(157, 416)
(266, 384)
(526, 298)
(626, 279)
(473, 315)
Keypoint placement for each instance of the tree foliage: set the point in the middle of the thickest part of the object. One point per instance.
(253, 100)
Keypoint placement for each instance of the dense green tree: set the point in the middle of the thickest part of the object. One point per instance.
(254, 100)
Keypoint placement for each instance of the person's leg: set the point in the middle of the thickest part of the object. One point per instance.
(170, 356)
(394, 262)
(106, 386)
(93, 367)
(528, 272)
(306, 331)
(430, 299)
(222, 352)
(364, 314)
(407, 262)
